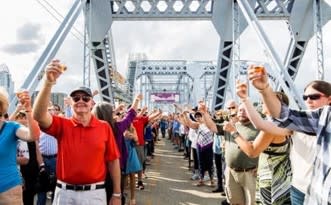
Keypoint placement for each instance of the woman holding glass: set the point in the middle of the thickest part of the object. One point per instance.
(10, 132)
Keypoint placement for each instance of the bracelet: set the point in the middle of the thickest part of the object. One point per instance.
(117, 195)
(261, 90)
(235, 134)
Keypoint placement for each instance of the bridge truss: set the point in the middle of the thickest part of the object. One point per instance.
(229, 17)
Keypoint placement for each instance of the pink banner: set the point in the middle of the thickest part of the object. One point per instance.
(165, 97)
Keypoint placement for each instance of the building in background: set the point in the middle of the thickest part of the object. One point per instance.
(56, 98)
(6, 80)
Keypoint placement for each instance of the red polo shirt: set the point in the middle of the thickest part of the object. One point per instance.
(82, 151)
(139, 123)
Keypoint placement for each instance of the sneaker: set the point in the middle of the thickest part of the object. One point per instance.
(195, 177)
(206, 178)
(140, 185)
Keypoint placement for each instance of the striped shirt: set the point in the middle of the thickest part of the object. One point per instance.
(47, 144)
(316, 122)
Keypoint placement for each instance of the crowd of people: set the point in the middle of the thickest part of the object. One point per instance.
(274, 155)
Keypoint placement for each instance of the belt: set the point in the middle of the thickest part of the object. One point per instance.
(242, 169)
(87, 187)
(50, 156)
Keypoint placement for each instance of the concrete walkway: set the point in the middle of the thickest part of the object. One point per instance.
(168, 181)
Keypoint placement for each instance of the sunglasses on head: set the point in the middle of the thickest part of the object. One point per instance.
(85, 98)
(316, 96)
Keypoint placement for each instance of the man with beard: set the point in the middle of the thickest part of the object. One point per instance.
(240, 172)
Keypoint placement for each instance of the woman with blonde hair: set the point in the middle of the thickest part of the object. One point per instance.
(10, 132)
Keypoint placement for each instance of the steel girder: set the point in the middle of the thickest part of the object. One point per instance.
(192, 9)
(102, 70)
(99, 15)
(222, 73)
(37, 72)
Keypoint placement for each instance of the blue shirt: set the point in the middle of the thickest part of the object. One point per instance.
(148, 133)
(163, 124)
(9, 173)
(316, 122)
(175, 126)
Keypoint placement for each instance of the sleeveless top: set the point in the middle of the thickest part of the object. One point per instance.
(274, 175)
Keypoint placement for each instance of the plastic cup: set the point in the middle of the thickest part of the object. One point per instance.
(241, 68)
(244, 65)
(63, 67)
(259, 69)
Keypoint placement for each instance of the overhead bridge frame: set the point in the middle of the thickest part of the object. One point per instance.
(303, 17)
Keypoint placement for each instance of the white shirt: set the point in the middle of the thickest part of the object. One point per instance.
(192, 135)
(302, 157)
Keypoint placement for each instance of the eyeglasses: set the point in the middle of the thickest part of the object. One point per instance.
(231, 108)
(85, 98)
(316, 96)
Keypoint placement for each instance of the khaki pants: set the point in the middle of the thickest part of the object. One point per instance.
(12, 196)
(240, 186)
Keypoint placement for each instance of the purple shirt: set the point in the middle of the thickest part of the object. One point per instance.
(121, 127)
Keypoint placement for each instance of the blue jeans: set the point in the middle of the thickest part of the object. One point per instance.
(50, 166)
(297, 197)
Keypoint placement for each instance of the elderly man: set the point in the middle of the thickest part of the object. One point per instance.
(81, 139)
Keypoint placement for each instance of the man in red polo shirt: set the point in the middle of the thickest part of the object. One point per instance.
(86, 146)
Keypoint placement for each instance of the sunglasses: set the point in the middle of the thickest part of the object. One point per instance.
(85, 98)
(231, 108)
(316, 96)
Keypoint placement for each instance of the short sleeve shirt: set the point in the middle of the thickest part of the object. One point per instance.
(234, 156)
(9, 173)
(83, 151)
(139, 123)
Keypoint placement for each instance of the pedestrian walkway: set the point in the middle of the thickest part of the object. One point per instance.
(168, 181)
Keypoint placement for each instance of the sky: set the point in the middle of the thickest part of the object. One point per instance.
(26, 29)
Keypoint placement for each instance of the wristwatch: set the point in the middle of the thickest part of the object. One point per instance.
(235, 134)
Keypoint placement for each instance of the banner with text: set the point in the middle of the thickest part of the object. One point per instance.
(165, 97)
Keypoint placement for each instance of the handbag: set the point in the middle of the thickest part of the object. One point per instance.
(133, 164)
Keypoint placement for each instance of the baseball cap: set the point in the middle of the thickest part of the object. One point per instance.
(83, 89)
